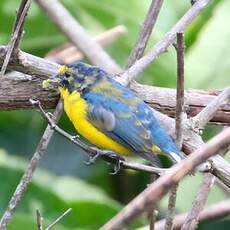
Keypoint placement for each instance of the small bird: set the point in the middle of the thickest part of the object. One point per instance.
(111, 116)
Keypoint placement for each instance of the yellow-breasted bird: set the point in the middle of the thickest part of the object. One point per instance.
(110, 115)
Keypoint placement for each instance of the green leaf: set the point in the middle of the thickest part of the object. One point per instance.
(208, 61)
(52, 195)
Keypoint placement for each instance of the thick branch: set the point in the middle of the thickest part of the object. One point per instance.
(155, 191)
(17, 89)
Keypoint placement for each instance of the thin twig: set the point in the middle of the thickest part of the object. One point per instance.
(155, 191)
(213, 212)
(39, 220)
(26, 178)
(192, 218)
(59, 219)
(152, 211)
(92, 151)
(180, 90)
(164, 43)
(202, 118)
(179, 124)
(171, 207)
(77, 35)
(17, 33)
(145, 32)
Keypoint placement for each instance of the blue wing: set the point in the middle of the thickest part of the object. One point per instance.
(130, 122)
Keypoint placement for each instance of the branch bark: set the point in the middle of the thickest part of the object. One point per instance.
(16, 89)
(145, 32)
(191, 221)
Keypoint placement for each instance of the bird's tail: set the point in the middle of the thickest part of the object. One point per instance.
(176, 156)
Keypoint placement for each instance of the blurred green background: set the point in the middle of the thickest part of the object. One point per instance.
(63, 180)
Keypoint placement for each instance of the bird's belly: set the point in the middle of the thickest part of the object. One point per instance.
(76, 109)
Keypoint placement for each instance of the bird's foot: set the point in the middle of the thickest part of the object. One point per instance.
(75, 137)
(116, 159)
(93, 158)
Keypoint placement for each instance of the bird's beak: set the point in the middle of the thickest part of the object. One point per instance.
(52, 81)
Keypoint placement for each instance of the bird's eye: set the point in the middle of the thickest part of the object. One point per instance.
(67, 74)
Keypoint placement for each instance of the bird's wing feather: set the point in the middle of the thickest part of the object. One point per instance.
(121, 124)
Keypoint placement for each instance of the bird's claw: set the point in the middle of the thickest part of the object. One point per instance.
(74, 137)
(116, 166)
(99, 153)
(118, 159)
(92, 158)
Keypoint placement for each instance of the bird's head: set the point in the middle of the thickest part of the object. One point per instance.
(75, 77)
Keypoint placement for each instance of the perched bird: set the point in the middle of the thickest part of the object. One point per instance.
(111, 116)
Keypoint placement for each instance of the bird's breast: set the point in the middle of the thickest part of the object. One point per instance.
(76, 109)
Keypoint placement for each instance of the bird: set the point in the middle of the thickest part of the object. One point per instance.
(111, 116)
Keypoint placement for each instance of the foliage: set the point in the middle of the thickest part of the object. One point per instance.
(91, 191)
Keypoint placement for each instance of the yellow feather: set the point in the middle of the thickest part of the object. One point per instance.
(76, 109)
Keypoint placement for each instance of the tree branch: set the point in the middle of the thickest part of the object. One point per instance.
(201, 119)
(68, 53)
(16, 90)
(164, 43)
(145, 32)
(17, 33)
(179, 124)
(77, 35)
(155, 191)
(192, 218)
(26, 178)
(59, 219)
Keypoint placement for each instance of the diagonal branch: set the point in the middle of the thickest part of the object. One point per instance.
(155, 191)
(201, 119)
(26, 178)
(69, 53)
(192, 218)
(17, 33)
(77, 35)
(59, 219)
(164, 43)
(145, 32)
